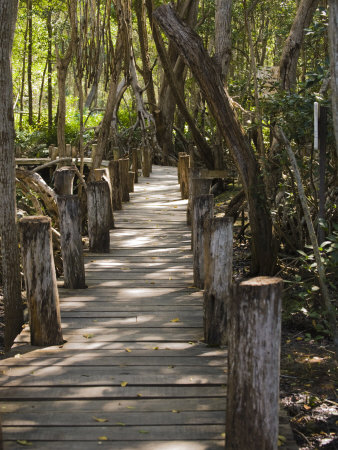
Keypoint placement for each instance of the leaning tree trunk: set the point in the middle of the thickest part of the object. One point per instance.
(223, 36)
(8, 228)
(191, 48)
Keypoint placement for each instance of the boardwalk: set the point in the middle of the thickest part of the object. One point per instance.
(133, 373)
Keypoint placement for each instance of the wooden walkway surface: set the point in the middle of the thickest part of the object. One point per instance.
(133, 372)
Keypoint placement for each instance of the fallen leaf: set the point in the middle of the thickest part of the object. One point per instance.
(102, 438)
(131, 407)
(88, 336)
(98, 419)
(175, 411)
(121, 424)
(299, 339)
(124, 383)
(223, 435)
(127, 350)
(175, 320)
(307, 407)
(170, 278)
(155, 348)
(139, 395)
(23, 442)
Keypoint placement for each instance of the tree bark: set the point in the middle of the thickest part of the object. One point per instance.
(30, 61)
(71, 242)
(333, 40)
(293, 44)
(8, 226)
(115, 180)
(40, 277)
(191, 48)
(254, 333)
(223, 36)
(124, 169)
(50, 71)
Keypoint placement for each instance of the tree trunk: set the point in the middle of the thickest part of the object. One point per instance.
(333, 39)
(218, 244)
(254, 333)
(293, 44)
(8, 227)
(50, 71)
(40, 277)
(223, 36)
(30, 62)
(124, 169)
(71, 242)
(63, 181)
(115, 180)
(191, 47)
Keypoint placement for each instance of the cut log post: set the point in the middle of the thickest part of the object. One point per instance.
(54, 153)
(71, 242)
(40, 279)
(180, 154)
(63, 180)
(74, 152)
(124, 169)
(254, 333)
(131, 180)
(197, 186)
(203, 210)
(218, 250)
(69, 150)
(146, 162)
(116, 153)
(114, 175)
(99, 220)
(103, 174)
(94, 147)
(184, 176)
(134, 164)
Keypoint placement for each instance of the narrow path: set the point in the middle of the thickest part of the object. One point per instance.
(133, 373)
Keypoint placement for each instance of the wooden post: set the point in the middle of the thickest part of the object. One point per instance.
(114, 175)
(63, 180)
(184, 176)
(197, 186)
(98, 199)
(203, 210)
(134, 164)
(103, 174)
(116, 153)
(218, 249)
(180, 154)
(54, 153)
(94, 147)
(254, 332)
(131, 179)
(69, 150)
(146, 162)
(74, 152)
(124, 169)
(71, 242)
(40, 279)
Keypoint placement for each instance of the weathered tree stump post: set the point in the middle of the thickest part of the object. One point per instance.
(114, 174)
(197, 186)
(218, 249)
(134, 163)
(146, 162)
(63, 180)
(93, 153)
(254, 333)
(40, 279)
(71, 242)
(180, 154)
(103, 174)
(116, 153)
(54, 153)
(99, 220)
(131, 180)
(184, 176)
(124, 169)
(69, 150)
(74, 151)
(203, 210)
